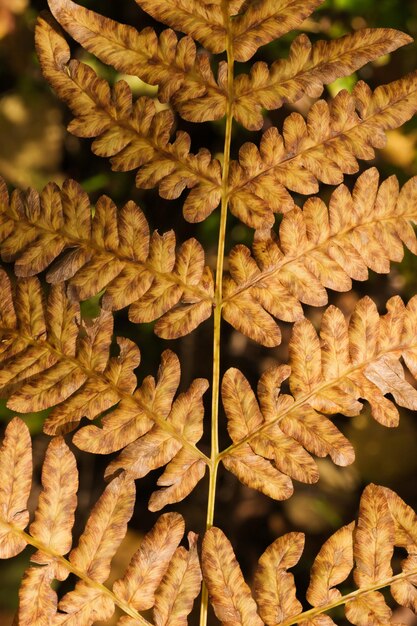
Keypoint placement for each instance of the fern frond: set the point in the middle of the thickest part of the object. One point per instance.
(201, 20)
(230, 595)
(252, 24)
(329, 373)
(111, 250)
(308, 68)
(183, 77)
(148, 580)
(321, 148)
(134, 135)
(51, 359)
(366, 545)
(260, 22)
(319, 248)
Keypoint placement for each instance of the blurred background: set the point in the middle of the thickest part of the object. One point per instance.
(36, 148)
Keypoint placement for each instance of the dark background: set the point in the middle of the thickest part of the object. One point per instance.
(36, 148)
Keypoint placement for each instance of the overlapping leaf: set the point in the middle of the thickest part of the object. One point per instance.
(184, 78)
(112, 250)
(384, 522)
(329, 373)
(259, 23)
(321, 148)
(203, 21)
(318, 248)
(134, 135)
(50, 358)
(307, 69)
(252, 25)
(148, 580)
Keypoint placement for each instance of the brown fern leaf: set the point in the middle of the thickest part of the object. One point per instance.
(405, 525)
(276, 601)
(16, 469)
(253, 24)
(184, 78)
(308, 68)
(230, 595)
(202, 20)
(262, 21)
(329, 373)
(383, 523)
(134, 135)
(51, 359)
(112, 250)
(148, 579)
(318, 248)
(321, 148)
(180, 586)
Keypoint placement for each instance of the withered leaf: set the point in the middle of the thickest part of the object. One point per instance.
(202, 20)
(318, 248)
(180, 586)
(263, 21)
(307, 68)
(330, 371)
(274, 586)
(331, 566)
(37, 600)
(134, 135)
(229, 594)
(49, 357)
(275, 589)
(149, 564)
(112, 250)
(183, 77)
(321, 148)
(54, 517)
(15, 484)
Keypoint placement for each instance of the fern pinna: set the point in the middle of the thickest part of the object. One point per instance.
(52, 358)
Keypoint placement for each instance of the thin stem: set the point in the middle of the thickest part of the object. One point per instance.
(218, 296)
(319, 610)
(219, 279)
(79, 573)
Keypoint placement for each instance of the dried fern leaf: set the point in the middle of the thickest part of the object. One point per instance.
(252, 464)
(201, 20)
(308, 68)
(330, 371)
(180, 586)
(321, 148)
(54, 516)
(149, 564)
(160, 574)
(134, 135)
(373, 550)
(15, 484)
(38, 602)
(319, 248)
(263, 21)
(50, 359)
(368, 545)
(112, 250)
(405, 529)
(180, 477)
(183, 77)
(229, 594)
(331, 567)
(157, 447)
(274, 586)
